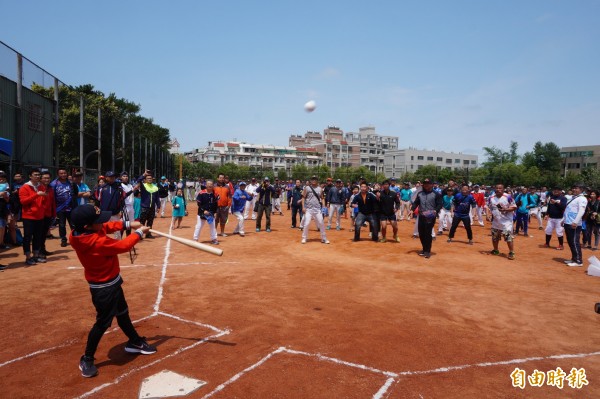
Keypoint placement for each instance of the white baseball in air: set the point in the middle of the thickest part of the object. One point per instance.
(310, 106)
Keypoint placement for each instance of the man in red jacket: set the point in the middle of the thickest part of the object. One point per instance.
(98, 254)
(32, 196)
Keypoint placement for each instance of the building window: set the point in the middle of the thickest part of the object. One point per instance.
(412, 157)
(457, 161)
(418, 167)
(466, 162)
(473, 162)
(448, 160)
(430, 158)
(420, 157)
(439, 159)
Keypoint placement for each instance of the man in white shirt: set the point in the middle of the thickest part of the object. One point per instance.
(572, 220)
(251, 189)
(128, 202)
(503, 208)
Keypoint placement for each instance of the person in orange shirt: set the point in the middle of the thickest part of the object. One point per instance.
(223, 193)
(33, 196)
(49, 212)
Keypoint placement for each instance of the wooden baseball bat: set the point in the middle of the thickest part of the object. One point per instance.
(190, 243)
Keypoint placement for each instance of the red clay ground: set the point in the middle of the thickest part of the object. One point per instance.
(387, 322)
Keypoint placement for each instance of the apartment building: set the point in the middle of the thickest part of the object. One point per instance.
(256, 155)
(400, 161)
(576, 159)
(373, 147)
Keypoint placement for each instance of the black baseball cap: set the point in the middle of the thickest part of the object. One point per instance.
(86, 215)
(426, 181)
(110, 173)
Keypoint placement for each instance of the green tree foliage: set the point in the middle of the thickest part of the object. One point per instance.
(122, 111)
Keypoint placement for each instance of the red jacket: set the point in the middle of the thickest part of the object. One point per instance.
(479, 198)
(49, 204)
(32, 204)
(98, 252)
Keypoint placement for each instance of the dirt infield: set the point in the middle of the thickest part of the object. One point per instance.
(274, 318)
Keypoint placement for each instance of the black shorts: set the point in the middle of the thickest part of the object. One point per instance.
(387, 218)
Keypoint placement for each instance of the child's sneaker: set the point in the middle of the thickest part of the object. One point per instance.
(87, 367)
(142, 347)
(511, 256)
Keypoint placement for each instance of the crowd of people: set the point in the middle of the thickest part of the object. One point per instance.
(45, 201)
(127, 208)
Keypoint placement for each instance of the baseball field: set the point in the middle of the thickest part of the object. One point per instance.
(274, 318)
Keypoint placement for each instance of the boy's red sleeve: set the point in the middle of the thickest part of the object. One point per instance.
(111, 227)
(110, 246)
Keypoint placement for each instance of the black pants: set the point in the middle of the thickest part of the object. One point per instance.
(109, 303)
(47, 223)
(33, 233)
(573, 237)
(425, 226)
(63, 217)
(266, 209)
(372, 219)
(296, 210)
(147, 216)
(466, 222)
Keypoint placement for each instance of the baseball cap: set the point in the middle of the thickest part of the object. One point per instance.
(110, 173)
(426, 181)
(77, 174)
(242, 183)
(86, 215)
(123, 173)
(163, 177)
(314, 178)
(339, 181)
(266, 178)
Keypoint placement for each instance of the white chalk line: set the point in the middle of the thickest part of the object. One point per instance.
(338, 361)
(63, 345)
(163, 275)
(241, 373)
(500, 363)
(135, 370)
(193, 322)
(382, 391)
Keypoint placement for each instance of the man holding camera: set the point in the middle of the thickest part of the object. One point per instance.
(263, 204)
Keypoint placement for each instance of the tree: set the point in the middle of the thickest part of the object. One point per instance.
(495, 156)
(300, 171)
(546, 157)
(282, 175)
(429, 171)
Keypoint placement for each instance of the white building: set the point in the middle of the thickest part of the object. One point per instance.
(255, 155)
(373, 147)
(409, 160)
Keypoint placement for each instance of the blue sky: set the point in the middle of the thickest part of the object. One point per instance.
(445, 75)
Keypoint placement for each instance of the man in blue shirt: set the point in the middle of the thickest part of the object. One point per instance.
(63, 197)
(523, 202)
(405, 201)
(462, 212)
(238, 204)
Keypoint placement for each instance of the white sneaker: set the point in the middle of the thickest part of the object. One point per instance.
(574, 264)
(326, 241)
(303, 241)
(567, 261)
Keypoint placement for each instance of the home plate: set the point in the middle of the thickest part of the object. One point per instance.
(168, 384)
